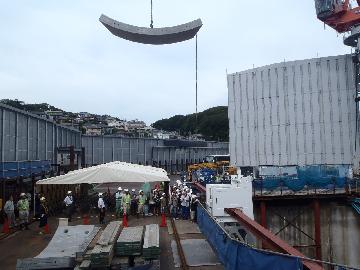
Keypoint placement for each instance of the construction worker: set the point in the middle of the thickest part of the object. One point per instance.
(126, 202)
(193, 207)
(134, 203)
(156, 198)
(9, 211)
(185, 203)
(69, 204)
(101, 207)
(163, 203)
(174, 205)
(118, 202)
(43, 214)
(142, 201)
(23, 206)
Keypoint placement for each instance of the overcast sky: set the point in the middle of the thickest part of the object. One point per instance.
(58, 52)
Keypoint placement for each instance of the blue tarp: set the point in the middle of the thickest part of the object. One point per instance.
(16, 169)
(315, 176)
(235, 255)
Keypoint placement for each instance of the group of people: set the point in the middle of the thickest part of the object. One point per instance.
(183, 203)
(132, 203)
(180, 200)
(23, 207)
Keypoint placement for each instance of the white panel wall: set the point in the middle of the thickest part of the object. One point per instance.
(293, 113)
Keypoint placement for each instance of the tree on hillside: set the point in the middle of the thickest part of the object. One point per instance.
(212, 123)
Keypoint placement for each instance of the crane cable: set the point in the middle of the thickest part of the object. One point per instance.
(196, 84)
(151, 14)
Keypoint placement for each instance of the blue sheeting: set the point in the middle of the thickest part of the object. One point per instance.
(16, 169)
(235, 255)
(315, 176)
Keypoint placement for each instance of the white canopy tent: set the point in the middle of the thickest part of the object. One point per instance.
(113, 172)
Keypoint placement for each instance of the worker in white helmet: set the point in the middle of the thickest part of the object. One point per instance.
(102, 208)
(43, 215)
(69, 205)
(193, 207)
(118, 202)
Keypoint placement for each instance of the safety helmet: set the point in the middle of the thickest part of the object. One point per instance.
(119, 188)
(100, 194)
(69, 192)
(42, 199)
(22, 194)
(133, 190)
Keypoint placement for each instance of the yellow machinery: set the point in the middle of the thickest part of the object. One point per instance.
(220, 163)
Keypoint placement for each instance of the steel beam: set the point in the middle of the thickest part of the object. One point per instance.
(317, 229)
(271, 240)
(154, 36)
(263, 214)
(199, 187)
(72, 158)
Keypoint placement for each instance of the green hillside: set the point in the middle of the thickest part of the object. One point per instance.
(213, 123)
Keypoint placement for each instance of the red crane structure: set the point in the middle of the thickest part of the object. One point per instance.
(338, 14)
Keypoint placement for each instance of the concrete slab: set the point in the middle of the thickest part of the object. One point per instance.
(68, 240)
(186, 227)
(154, 36)
(198, 252)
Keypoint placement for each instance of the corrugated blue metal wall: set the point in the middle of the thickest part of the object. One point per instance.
(24, 136)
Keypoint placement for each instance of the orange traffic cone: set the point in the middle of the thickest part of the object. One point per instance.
(6, 226)
(85, 220)
(124, 222)
(163, 220)
(46, 229)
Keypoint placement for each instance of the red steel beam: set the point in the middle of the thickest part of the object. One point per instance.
(271, 240)
(199, 187)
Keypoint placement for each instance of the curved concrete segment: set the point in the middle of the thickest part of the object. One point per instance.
(155, 36)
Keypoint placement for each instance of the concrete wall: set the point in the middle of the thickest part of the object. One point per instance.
(294, 113)
(102, 149)
(340, 229)
(24, 136)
